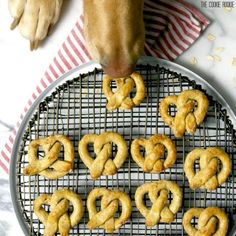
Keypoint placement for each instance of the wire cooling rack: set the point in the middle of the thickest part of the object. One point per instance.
(78, 107)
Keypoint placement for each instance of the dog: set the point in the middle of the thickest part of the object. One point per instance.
(114, 32)
(35, 18)
(113, 29)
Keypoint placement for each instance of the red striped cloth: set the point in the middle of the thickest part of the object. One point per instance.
(171, 28)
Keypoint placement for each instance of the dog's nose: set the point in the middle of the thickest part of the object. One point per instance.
(117, 71)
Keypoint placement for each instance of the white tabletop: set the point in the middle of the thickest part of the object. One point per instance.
(22, 69)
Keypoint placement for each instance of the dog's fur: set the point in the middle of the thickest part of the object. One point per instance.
(114, 31)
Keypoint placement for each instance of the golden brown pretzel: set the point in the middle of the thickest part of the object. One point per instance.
(211, 221)
(102, 164)
(109, 206)
(58, 219)
(209, 176)
(121, 98)
(49, 166)
(191, 105)
(161, 210)
(155, 148)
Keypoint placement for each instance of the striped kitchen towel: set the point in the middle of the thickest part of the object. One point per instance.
(171, 28)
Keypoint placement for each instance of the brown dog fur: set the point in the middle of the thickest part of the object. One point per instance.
(114, 31)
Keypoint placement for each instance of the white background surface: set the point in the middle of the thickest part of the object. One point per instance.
(22, 69)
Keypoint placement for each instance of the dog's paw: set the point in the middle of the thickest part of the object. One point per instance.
(34, 18)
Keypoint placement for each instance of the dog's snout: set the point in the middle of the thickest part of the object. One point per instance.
(114, 31)
(118, 71)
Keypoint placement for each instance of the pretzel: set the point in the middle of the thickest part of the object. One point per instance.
(155, 148)
(191, 105)
(121, 98)
(102, 164)
(49, 166)
(58, 219)
(161, 210)
(211, 221)
(209, 176)
(110, 200)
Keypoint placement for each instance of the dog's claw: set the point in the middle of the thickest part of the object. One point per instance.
(14, 23)
(34, 44)
(50, 29)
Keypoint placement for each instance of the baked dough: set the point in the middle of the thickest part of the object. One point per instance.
(110, 200)
(191, 106)
(211, 221)
(210, 176)
(103, 164)
(121, 98)
(49, 166)
(161, 210)
(58, 220)
(155, 149)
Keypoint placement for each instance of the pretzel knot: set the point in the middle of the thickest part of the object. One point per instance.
(105, 218)
(121, 98)
(191, 106)
(211, 174)
(58, 220)
(49, 166)
(211, 221)
(161, 210)
(102, 164)
(155, 149)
